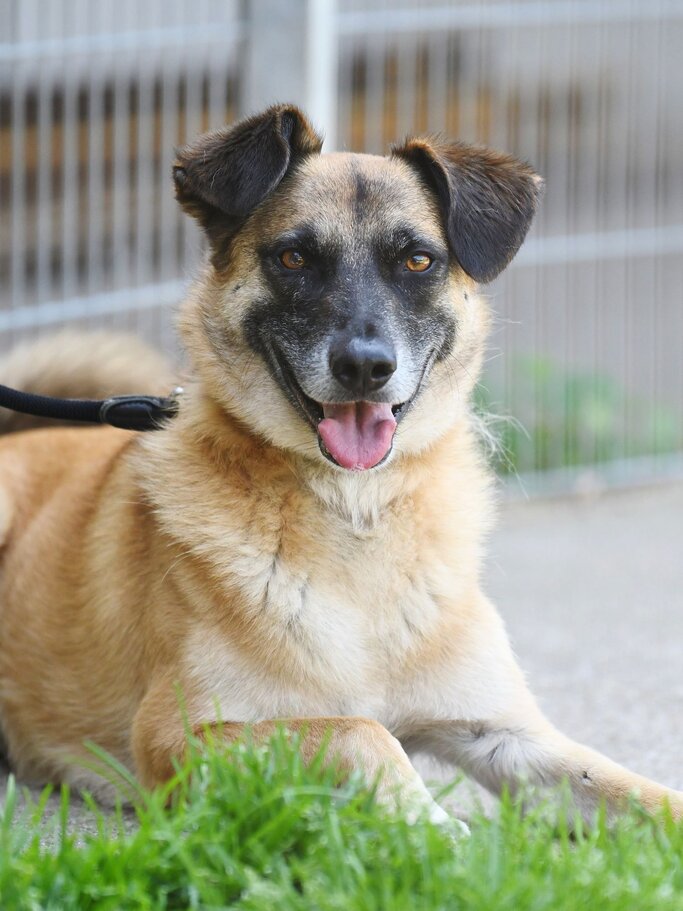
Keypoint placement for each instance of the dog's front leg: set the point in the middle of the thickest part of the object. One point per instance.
(530, 752)
(498, 734)
(356, 743)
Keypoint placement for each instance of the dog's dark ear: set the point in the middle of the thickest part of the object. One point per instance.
(488, 200)
(222, 176)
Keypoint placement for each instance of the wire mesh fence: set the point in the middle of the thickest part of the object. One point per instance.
(94, 96)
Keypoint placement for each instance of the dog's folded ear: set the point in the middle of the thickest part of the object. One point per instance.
(224, 175)
(488, 200)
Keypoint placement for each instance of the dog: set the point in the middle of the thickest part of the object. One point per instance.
(301, 545)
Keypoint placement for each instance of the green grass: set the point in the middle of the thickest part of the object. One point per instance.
(253, 829)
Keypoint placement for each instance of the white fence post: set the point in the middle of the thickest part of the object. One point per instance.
(291, 55)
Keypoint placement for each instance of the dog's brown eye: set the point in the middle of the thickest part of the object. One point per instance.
(292, 259)
(418, 262)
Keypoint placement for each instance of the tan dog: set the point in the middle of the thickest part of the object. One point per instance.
(303, 541)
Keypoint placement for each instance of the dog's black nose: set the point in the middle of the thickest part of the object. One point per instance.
(362, 365)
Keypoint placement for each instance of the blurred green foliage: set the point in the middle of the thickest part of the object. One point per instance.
(560, 418)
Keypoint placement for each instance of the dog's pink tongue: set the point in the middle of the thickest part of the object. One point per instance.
(357, 434)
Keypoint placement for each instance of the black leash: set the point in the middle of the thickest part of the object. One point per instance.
(130, 412)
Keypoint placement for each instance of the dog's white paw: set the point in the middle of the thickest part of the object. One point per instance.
(455, 827)
(436, 814)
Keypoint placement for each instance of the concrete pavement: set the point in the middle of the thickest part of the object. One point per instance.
(592, 594)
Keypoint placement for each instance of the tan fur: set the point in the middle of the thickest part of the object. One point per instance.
(230, 561)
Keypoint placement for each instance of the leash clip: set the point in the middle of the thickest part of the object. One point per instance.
(139, 412)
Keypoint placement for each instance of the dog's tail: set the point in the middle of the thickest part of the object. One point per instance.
(81, 365)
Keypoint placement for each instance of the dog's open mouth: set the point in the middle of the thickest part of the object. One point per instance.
(357, 435)
(353, 435)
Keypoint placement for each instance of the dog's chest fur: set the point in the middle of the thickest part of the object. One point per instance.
(318, 608)
(326, 626)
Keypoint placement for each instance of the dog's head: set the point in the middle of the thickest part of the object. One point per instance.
(340, 304)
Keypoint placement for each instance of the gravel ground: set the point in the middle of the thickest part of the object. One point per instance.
(592, 594)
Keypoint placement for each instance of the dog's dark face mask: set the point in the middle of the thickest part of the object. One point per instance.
(354, 265)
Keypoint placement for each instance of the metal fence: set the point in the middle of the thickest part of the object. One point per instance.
(94, 97)
(586, 352)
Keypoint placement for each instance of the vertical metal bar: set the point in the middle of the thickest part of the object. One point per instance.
(618, 63)
(534, 361)
(321, 68)
(522, 288)
(5, 216)
(345, 105)
(121, 195)
(481, 69)
(674, 197)
(568, 450)
(467, 87)
(642, 380)
(501, 370)
(71, 223)
(95, 132)
(437, 85)
(277, 52)
(192, 240)
(596, 190)
(145, 74)
(451, 124)
(629, 190)
(44, 155)
(144, 202)
(218, 78)
(406, 85)
(18, 188)
(659, 441)
(168, 226)
(374, 94)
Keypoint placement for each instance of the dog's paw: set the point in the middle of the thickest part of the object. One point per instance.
(455, 827)
(439, 816)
